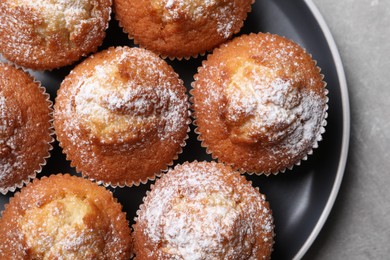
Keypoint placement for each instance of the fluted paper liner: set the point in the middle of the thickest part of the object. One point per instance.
(78, 164)
(38, 168)
(314, 145)
(185, 57)
(142, 206)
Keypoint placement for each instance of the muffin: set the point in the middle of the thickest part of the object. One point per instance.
(48, 34)
(178, 29)
(25, 128)
(64, 217)
(260, 103)
(122, 116)
(203, 210)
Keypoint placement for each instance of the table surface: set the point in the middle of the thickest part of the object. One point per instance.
(358, 226)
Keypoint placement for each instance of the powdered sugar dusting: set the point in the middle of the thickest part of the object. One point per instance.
(272, 111)
(58, 229)
(220, 11)
(48, 34)
(116, 108)
(112, 107)
(194, 213)
(121, 105)
(266, 96)
(225, 22)
(194, 9)
(59, 14)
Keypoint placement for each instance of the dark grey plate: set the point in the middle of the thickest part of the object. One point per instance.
(302, 198)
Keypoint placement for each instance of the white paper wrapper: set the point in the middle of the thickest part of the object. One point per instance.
(236, 165)
(35, 169)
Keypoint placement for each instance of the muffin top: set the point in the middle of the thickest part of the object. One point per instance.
(49, 34)
(25, 128)
(122, 115)
(260, 96)
(177, 28)
(64, 216)
(203, 210)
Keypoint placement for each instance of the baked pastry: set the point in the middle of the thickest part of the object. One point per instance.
(260, 103)
(203, 210)
(48, 34)
(122, 116)
(25, 128)
(177, 29)
(64, 217)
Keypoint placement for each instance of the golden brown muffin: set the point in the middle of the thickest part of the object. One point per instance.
(177, 28)
(260, 103)
(122, 116)
(203, 210)
(64, 217)
(48, 34)
(25, 128)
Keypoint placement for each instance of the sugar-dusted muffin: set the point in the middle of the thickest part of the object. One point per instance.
(177, 28)
(64, 217)
(203, 210)
(260, 103)
(122, 116)
(47, 34)
(25, 128)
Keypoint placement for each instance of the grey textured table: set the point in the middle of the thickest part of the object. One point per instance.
(359, 224)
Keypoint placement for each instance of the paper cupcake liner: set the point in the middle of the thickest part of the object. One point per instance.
(159, 173)
(242, 170)
(38, 168)
(142, 206)
(186, 57)
(127, 183)
(163, 170)
(317, 139)
(271, 213)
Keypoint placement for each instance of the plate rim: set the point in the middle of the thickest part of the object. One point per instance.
(346, 129)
